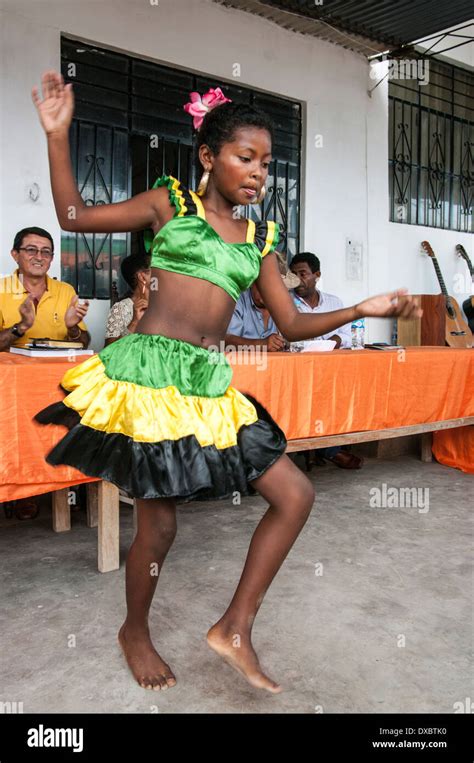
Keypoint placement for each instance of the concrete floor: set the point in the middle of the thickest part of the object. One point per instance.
(333, 640)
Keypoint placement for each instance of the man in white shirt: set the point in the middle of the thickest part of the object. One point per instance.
(308, 299)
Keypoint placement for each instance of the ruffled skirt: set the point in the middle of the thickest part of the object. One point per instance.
(157, 417)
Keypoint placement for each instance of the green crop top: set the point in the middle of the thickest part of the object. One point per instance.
(188, 244)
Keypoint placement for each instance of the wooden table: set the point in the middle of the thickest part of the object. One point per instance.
(318, 399)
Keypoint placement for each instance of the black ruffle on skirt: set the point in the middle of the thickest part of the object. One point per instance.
(181, 469)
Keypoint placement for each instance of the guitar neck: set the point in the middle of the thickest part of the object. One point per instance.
(462, 253)
(440, 277)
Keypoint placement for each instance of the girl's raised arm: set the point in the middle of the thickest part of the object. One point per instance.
(146, 210)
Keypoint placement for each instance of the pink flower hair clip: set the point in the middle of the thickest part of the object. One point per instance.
(198, 107)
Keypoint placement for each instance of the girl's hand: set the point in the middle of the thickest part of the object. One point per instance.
(57, 107)
(387, 305)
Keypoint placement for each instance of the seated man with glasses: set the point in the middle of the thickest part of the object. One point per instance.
(33, 305)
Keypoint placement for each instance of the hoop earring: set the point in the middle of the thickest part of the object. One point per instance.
(202, 187)
(261, 195)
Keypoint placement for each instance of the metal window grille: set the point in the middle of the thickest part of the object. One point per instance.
(431, 142)
(129, 128)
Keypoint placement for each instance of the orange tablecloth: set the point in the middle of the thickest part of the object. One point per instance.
(455, 447)
(307, 394)
(27, 385)
(353, 391)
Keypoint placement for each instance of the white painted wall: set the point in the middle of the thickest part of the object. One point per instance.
(407, 256)
(345, 182)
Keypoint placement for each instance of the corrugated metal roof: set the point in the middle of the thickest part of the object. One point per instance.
(366, 26)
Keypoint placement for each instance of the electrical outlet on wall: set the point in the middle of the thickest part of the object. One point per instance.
(354, 264)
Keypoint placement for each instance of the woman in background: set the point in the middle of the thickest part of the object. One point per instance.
(124, 315)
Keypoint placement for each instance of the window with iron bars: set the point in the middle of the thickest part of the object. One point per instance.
(431, 148)
(129, 128)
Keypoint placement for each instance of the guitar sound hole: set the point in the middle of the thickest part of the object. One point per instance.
(450, 310)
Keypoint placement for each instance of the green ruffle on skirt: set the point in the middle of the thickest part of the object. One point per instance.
(156, 361)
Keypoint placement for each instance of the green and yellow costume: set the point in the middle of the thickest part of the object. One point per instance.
(157, 416)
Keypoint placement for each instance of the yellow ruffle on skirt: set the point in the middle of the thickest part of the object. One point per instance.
(121, 407)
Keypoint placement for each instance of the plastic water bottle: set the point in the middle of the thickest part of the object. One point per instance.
(358, 332)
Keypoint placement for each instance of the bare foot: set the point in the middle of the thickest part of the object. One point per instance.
(143, 660)
(237, 650)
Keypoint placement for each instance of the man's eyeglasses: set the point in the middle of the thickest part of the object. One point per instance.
(33, 251)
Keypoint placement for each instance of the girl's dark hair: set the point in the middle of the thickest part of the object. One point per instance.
(132, 265)
(219, 126)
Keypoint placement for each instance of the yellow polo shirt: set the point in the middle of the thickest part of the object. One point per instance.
(49, 321)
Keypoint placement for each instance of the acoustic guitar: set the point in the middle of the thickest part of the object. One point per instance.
(457, 332)
(468, 304)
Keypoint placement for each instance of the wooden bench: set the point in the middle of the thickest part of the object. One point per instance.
(351, 438)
